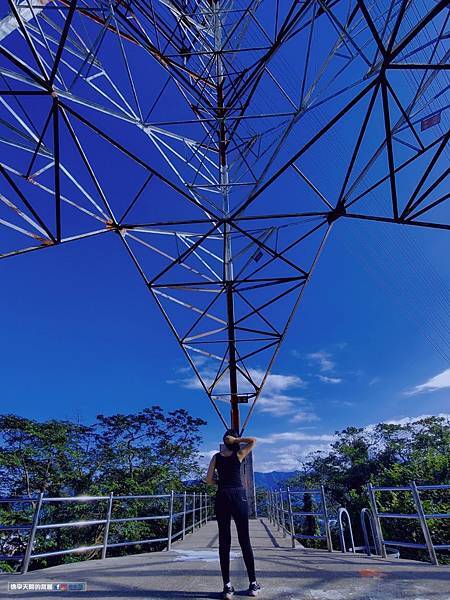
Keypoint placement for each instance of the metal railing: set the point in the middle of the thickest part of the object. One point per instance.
(343, 512)
(344, 525)
(284, 513)
(366, 516)
(419, 515)
(197, 506)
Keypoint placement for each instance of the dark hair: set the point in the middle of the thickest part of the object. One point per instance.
(235, 447)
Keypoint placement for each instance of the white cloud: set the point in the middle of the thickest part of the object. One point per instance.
(279, 404)
(406, 420)
(281, 451)
(440, 381)
(282, 405)
(374, 381)
(205, 456)
(324, 360)
(304, 417)
(326, 379)
(295, 436)
(286, 457)
(274, 400)
(342, 403)
(275, 382)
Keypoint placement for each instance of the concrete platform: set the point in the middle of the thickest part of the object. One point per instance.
(191, 570)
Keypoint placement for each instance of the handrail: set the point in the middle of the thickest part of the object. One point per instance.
(341, 513)
(285, 518)
(367, 513)
(419, 515)
(194, 505)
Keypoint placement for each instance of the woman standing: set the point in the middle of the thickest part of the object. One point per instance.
(231, 501)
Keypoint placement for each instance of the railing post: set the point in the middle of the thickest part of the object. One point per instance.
(291, 518)
(272, 507)
(377, 522)
(326, 519)
(193, 512)
(282, 513)
(423, 523)
(200, 511)
(184, 517)
(268, 505)
(277, 495)
(206, 506)
(169, 528)
(272, 512)
(34, 523)
(108, 521)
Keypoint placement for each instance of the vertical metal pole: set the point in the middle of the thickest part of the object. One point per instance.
(169, 529)
(277, 511)
(291, 517)
(184, 516)
(424, 524)
(277, 496)
(34, 523)
(268, 504)
(326, 519)
(108, 521)
(377, 521)
(362, 519)
(282, 513)
(225, 191)
(200, 511)
(341, 532)
(207, 506)
(193, 512)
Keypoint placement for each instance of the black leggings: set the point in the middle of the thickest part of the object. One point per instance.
(232, 502)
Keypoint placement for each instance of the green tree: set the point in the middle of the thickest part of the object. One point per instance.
(387, 455)
(146, 453)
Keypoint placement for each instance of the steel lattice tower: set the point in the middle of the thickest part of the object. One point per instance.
(221, 141)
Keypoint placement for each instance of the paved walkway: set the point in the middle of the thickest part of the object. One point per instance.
(191, 570)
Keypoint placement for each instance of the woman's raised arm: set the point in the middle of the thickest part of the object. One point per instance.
(210, 474)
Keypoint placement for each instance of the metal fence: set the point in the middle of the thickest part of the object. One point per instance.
(285, 511)
(184, 512)
(286, 508)
(345, 529)
(419, 515)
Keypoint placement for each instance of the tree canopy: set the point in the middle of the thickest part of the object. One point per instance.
(390, 455)
(149, 452)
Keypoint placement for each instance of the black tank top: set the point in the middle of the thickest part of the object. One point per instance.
(229, 470)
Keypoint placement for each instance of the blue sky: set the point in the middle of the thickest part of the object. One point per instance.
(81, 335)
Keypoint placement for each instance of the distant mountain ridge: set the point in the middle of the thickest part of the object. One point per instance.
(272, 479)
